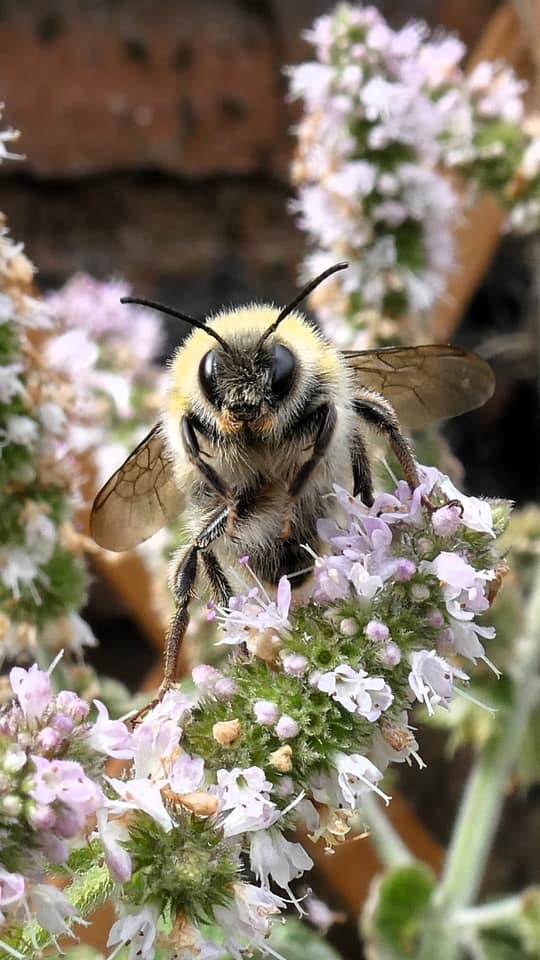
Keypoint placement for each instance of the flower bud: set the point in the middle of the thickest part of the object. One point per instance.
(404, 569)
(435, 618)
(11, 805)
(376, 631)
(63, 723)
(226, 732)
(446, 521)
(74, 706)
(281, 758)
(49, 739)
(225, 688)
(295, 664)
(390, 654)
(14, 760)
(419, 591)
(205, 677)
(266, 712)
(286, 727)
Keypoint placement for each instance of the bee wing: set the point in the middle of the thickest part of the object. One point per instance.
(424, 383)
(140, 498)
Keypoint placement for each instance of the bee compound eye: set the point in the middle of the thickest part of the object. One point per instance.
(208, 375)
(283, 369)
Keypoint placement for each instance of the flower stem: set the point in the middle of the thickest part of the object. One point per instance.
(495, 914)
(391, 849)
(482, 802)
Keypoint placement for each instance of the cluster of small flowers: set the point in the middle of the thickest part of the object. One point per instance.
(171, 839)
(396, 595)
(51, 758)
(65, 371)
(298, 725)
(108, 349)
(493, 145)
(385, 112)
(42, 580)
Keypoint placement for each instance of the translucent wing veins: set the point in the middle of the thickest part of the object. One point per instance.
(140, 498)
(424, 383)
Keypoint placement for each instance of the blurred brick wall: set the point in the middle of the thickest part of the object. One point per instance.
(157, 137)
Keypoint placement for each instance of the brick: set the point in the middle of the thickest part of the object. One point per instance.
(188, 88)
(193, 88)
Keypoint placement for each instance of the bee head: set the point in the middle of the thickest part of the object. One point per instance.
(253, 369)
(249, 379)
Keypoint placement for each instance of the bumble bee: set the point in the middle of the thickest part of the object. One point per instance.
(257, 429)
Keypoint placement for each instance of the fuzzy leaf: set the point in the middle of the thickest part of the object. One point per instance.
(395, 911)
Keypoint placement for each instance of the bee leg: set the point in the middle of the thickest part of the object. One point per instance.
(379, 414)
(193, 450)
(183, 585)
(362, 479)
(184, 581)
(218, 581)
(324, 418)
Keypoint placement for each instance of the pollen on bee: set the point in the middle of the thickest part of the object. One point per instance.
(228, 424)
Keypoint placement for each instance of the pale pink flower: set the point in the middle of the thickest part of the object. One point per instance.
(11, 888)
(356, 776)
(275, 858)
(139, 930)
(431, 679)
(463, 587)
(352, 777)
(110, 737)
(112, 831)
(245, 794)
(142, 794)
(52, 907)
(248, 919)
(186, 773)
(356, 691)
(33, 690)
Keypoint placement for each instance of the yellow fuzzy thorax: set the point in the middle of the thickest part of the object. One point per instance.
(294, 331)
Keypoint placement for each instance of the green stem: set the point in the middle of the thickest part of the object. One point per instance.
(482, 803)
(495, 914)
(391, 849)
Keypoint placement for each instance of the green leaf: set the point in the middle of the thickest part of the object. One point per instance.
(396, 910)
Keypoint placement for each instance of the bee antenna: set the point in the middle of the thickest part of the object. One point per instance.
(200, 324)
(305, 292)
